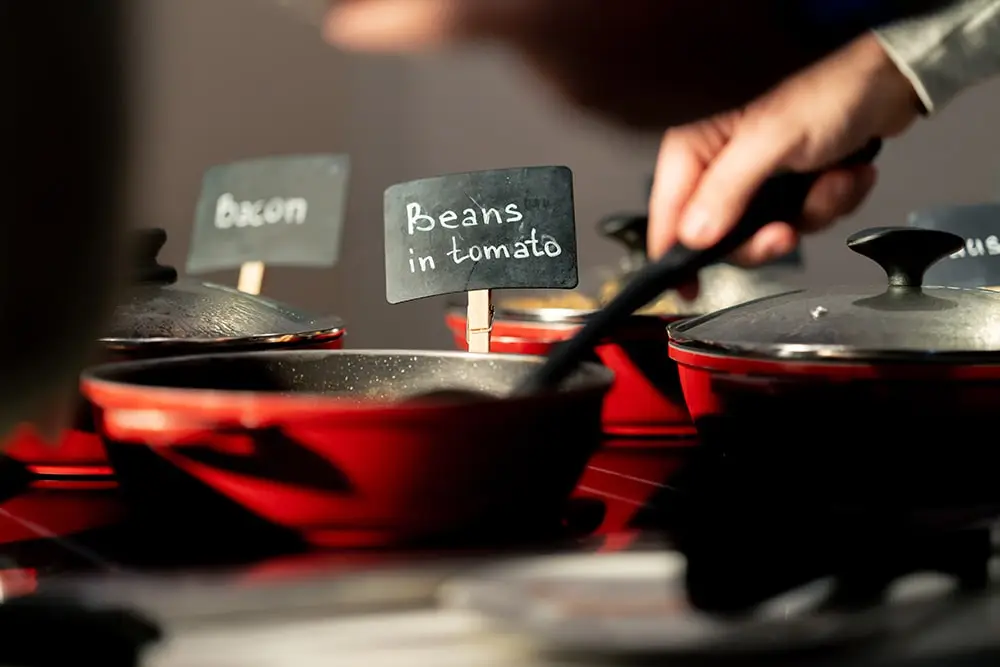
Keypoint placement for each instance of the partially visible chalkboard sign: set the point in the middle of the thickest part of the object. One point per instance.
(282, 210)
(978, 264)
(511, 228)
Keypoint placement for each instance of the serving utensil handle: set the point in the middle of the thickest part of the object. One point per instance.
(780, 198)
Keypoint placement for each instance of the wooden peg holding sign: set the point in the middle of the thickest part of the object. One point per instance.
(976, 265)
(479, 321)
(480, 231)
(251, 278)
(278, 211)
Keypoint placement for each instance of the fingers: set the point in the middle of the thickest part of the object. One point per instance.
(729, 183)
(837, 193)
(774, 240)
(685, 154)
(389, 25)
(413, 25)
(678, 168)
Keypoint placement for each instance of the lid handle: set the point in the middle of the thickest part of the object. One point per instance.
(905, 253)
(146, 268)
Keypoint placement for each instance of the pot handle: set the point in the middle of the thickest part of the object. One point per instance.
(905, 253)
(146, 268)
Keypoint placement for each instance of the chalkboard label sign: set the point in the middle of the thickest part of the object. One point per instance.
(511, 228)
(282, 211)
(976, 265)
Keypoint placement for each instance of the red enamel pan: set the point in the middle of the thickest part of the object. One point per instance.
(339, 448)
(646, 399)
(158, 316)
(834, 422)
(631, 480)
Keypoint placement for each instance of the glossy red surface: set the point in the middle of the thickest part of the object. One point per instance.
(646, 399)
(50, 509)
(790, 369)
(630, 475)
(78, 451)
(707, 378)
(343, 476)
(865, 440)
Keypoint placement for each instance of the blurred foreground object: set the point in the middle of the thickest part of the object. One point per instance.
(64, 152)
(644, 63)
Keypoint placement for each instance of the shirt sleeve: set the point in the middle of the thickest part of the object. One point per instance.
(944, 52)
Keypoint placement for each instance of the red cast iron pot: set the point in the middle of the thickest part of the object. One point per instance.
(158, 316)
(835, 423)
(35, 509)
(646, 399)
(331, 445)
(630, 477)
(51, 507)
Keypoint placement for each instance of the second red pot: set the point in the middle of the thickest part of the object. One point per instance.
(837, 424)
(646, 398)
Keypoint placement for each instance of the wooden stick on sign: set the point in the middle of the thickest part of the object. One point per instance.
(251, 278)
(479, 320)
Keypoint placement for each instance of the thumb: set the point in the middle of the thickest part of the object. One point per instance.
(729, 183)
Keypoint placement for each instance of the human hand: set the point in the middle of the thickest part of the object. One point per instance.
(643, 63)
(708, 171)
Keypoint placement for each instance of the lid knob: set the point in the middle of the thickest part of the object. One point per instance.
(146, 247)
(905, 253)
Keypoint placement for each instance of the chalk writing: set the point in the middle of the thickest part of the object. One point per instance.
(419, 221)
(482, 230)
(975, 247)
(232, 213)
(533, 246)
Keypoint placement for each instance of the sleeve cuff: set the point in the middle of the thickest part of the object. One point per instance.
(943, 53)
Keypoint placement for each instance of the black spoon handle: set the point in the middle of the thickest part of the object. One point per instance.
(780, 198)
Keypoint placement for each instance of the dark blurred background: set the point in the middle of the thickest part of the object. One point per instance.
(222, 80)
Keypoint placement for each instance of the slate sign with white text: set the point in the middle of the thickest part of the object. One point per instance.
(503, 229)
(282, 211)
(976, 265)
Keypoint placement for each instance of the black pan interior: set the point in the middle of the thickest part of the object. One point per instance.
(365, 375)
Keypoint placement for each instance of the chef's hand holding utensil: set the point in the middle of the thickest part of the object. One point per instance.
(781, 197)
(649, 63)
(708, 171)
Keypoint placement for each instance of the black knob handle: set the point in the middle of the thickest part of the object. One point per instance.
(627, 229)
(146, 269)
(905, 253)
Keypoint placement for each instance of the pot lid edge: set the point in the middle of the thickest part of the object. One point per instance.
(334, 328)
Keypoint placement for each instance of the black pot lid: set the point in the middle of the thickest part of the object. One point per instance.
(902, 320)
(160, 310)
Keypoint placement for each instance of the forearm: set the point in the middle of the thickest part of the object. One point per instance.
(947, 51)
